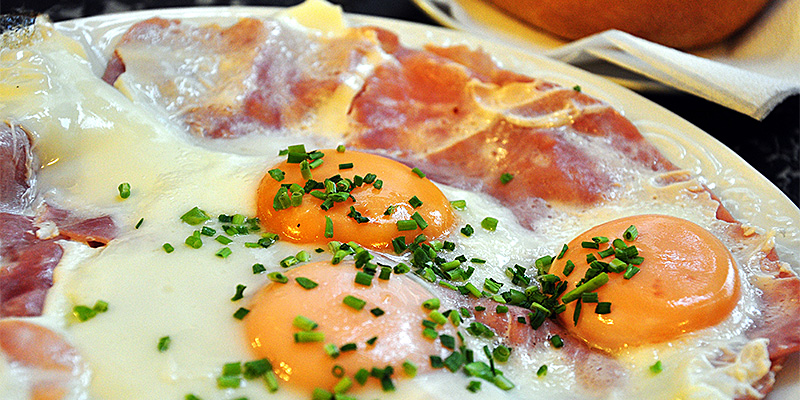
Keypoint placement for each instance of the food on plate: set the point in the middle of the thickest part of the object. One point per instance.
(675, 23)
(303, 208)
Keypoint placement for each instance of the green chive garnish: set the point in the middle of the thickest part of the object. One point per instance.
(467, 230)
(489, 223)
(415, 202)
(431, 304)
(340, 148)
(223, 252)
(276, 174)
(354, 302)
(542, 371)
(557, 342)
(363, 278)
(406, 225)
(306, 283)
(304, 323)
(631, 233)
(506, 177)
(306, 337)
(410, 369)
(602, 307)
(419, 220)
(589, 286)
(124, 190)
(239, 292)
(657, 367)
(195, 216)
(168, 248)
(418, 172)
(163, 344)
(277, 277)
(241, 313)
(328, 227)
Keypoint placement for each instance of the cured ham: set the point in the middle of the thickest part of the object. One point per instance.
(28, 254)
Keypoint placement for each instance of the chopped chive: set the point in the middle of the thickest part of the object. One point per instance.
(409, 368)
(308, 337)
(437, 317)
(223, 252)
(489, 223)
(437, 362)
(314, 164)
(195, 216)
(168, 248)
(306, 283)
(474, 386)
(602, 307)
(258, 268)
(418, 172)
(343, 385)
(305, 170)
(501, 309)
(228, 381)
(563, 251)
(239, 292)
(354, 302)
(577, 313)
(415, 202)
(657, 367)
(124, 190)
(163, 344)
(348, 347)
(378, 184)
(605, 253)
(431, 304)
(321, 394)
(241, 313)
(328, 227)
(370, 178)
(304, 323)
(406, 225)
(277, 277)
(139, 224)
(363, 278)
(371, 341)
(542, 371)
(589, 297)
(223, 239)
(590, 285)
(631, 233)
(631, 271)
(194, 241)
(447, 341)
(302, 256)
(568, 267)
(389, 210)
(430, 333)
(276, 174)
(557, 342)
(501, 353)
(377, 311)
(361, 376)
(419, 220)
(590, 245)
(332, 350)
(467, 230)
(340, 148)
(346, 166)
(454, 361)
(506, 177)
(459, 204)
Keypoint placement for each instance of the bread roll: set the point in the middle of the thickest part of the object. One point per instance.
(676, 23)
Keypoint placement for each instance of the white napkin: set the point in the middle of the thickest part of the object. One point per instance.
(749, 92)
(751, 72)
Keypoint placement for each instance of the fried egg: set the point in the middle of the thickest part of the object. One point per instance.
(193, 265)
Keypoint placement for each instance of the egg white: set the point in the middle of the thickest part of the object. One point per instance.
(90, 138)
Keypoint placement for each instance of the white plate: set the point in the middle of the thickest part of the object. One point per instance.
(750, 197)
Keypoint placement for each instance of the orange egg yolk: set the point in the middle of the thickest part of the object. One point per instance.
(306, 223)
(688, 281)
(306, 366)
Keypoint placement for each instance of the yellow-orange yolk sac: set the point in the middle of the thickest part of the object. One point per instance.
(306, 365)
(306, 223)
(687, 281)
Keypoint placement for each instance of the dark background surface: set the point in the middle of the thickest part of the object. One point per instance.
(772, 146)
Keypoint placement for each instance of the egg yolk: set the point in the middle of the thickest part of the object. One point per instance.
(306, 365)
(306, 223)
(687, 281)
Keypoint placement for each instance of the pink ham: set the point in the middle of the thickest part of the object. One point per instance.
(26, 260)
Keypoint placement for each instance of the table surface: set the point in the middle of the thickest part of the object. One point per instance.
(771, 146)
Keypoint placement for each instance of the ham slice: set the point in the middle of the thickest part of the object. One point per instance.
(27, 260)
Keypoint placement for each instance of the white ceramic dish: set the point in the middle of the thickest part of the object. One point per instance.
(750, 197)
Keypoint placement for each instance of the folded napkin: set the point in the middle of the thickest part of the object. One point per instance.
(749, 92)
